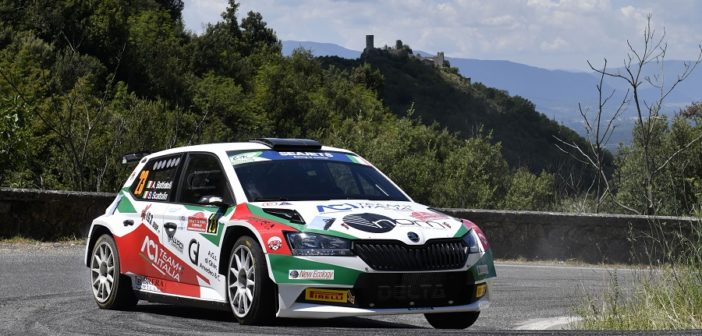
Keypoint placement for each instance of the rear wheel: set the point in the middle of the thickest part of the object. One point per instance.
(111, 289)
(460, 320)
(250, 291)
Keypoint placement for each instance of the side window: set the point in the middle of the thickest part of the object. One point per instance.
(155, 182)
(203, 178)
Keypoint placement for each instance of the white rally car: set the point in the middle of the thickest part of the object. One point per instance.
(287, 228)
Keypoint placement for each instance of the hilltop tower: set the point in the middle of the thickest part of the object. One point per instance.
(439, 59)
(369, 43)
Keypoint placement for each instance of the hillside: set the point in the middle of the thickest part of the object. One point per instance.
(556, 93)
(447, 98)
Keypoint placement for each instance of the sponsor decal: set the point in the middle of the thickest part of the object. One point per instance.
(197, 222)
(425, 225)
(246, 158)
(375, 223)
(148, 217)
(411, 292)
(166, 164)
(163, 185)
(210, 265)
(148, 284)
(370, 222)
(274, 243)
(311, 275)
(170, 229)
(328, 295)
(160, 258)
(142, 181)
(307, 155)
(428, 216)
(212, 222)
(482, 269)
(194, 251)
(156, 196)
(362, 205)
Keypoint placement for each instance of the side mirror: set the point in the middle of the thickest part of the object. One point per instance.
(213, 200)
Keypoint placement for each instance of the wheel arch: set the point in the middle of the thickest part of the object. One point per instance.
(96, 232)
(231, 235)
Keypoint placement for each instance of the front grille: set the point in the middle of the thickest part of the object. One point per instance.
(435, 255)
(407, 290)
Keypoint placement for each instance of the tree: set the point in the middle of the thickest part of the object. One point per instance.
(599, 127)
(649, 122)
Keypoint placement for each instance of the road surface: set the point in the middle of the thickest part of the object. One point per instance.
(44, 289)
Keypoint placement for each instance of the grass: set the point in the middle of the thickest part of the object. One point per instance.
(665, 297)
(21, 240)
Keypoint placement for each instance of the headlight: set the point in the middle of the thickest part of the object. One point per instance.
(312, 244)
(471, 242)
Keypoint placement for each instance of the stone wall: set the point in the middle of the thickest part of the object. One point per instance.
(46, 215)
(592, 238)
(527, 235)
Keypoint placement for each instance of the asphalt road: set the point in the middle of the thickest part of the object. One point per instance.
(44, 289)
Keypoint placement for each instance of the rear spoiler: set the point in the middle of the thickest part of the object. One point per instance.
(289, 145)
(133, 157)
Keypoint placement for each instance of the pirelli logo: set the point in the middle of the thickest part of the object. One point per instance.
(327, 295)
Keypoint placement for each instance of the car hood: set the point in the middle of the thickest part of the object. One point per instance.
(409, 222)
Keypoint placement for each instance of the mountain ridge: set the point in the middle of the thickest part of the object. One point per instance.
(555, 92)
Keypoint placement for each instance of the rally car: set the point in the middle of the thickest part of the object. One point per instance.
(283, 228)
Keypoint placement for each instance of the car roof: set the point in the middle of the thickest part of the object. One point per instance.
(230, 146)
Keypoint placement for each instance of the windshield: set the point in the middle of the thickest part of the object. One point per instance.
(295, 176)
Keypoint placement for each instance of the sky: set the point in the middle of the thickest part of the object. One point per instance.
(551, 34)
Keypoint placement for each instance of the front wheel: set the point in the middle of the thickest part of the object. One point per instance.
(460, 320)
(250, 291)
(111, 290)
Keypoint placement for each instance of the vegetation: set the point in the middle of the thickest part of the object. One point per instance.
(658, 174)
(82, 83)
(441, 95)
(667, 297)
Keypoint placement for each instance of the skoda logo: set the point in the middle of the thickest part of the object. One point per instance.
(413, 236)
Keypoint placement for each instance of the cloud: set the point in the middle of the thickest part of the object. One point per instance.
(547, 33)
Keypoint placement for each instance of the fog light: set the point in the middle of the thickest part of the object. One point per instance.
(480, 290)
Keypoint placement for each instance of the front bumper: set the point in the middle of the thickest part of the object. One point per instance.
(322, 311)
(347, 286)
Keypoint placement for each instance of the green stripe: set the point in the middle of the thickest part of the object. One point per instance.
(214, 238)
(353, 158)
(282, 264)
(461, 231)
(486, 259)
(125, 205)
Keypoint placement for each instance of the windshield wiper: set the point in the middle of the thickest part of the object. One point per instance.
(270, 199)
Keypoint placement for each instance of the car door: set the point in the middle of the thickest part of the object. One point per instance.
(194, 222)
(144, 251)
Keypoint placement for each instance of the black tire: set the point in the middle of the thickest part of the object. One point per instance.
(259, 309)
(104, 265)
(460, 320)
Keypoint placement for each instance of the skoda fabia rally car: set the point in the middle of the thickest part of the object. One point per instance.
(286, 228)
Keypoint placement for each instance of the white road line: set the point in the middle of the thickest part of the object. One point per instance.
(499, 265)
(553, 323)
